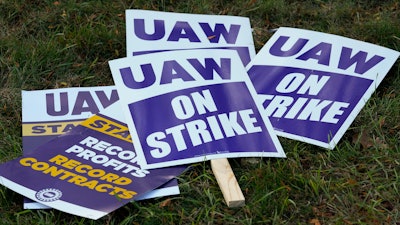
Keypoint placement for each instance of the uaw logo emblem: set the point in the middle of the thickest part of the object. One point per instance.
(48, 195)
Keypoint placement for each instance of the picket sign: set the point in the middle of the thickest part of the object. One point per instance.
(153, 31)
(192, 106)
(47, 114)
(89, 171)
(314, 84)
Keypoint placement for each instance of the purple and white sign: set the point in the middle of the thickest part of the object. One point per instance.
(89, 171)
(191, 106)
(312, 85)
(47, 114)
(152, 31)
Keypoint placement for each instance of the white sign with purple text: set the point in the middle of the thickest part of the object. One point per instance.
(312, 85)
(191, 106)
(153, 31)
(46, 114)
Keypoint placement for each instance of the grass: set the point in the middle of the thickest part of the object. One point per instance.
(53, 44)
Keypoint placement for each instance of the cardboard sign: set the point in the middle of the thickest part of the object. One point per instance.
(96, 160)
(152, 31)
(191, 106)
(313, 84)
(47, 114)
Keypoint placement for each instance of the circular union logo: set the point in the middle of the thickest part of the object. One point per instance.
(48, 195)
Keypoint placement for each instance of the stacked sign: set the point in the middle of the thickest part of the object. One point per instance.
(191, 106)
(47, 114)
(95, 159)
(191, 90)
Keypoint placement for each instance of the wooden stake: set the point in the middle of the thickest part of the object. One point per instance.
(227, 182)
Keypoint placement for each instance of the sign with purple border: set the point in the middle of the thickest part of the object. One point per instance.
(96, 160)
(47, 114)
(191, 106)
(313, 84)
(153, 31)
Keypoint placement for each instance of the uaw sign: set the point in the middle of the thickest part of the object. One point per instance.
(47, 114)
(50, 113)
(191, 106)
(312, 85)
(89, 171)
(152, 31)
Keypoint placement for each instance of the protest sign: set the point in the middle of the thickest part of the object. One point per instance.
(313, 84)
(153, 31)
(96, 160)
(191, 106)
(47, 114)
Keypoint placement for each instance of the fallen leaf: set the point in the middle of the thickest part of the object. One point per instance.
(381, 143)
(92, 17)
(388, 219)
(347, 222)
(251, 2)
(351, 181)
(165, 203)
(315, 222)
(391, 94)
(381, 122)
(364, 139)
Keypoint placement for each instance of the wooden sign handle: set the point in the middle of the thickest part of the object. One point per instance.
(227, 182)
